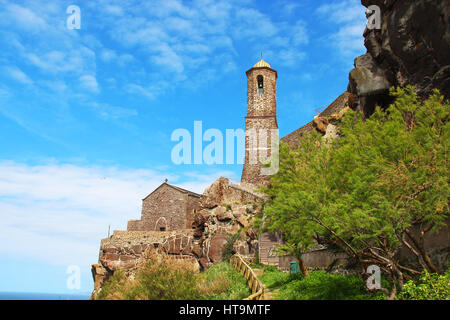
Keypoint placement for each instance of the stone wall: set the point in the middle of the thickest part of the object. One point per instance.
(332, 113)
(262, 118)
(437, 244)
(268, 244)
(264, 104)
(225, 209)
(167, 208)
(125, 249)
(222, 192)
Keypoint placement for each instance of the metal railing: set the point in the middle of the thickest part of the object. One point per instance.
(253, 282)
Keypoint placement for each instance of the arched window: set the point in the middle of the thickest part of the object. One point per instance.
(260, 80)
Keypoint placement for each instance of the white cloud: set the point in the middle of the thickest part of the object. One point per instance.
(254, 24)
(349, 19)
(113, 10)
(76, 60)
(107, 111)
(89, 82)
(178, 39)
(108, 55)
(58, 213)
(23, 18)
(18, 75)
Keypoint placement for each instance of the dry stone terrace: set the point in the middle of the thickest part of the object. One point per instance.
(124, 248)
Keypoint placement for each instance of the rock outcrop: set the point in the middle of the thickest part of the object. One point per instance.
(325, 121)
(226, 209)
(412, 47)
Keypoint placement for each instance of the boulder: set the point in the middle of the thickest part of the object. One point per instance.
(215, 246)
(243, 220)
(412, 47)
(367, 78)
(320, 123)
(224, 215)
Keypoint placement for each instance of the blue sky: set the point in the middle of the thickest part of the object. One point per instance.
(86, 115)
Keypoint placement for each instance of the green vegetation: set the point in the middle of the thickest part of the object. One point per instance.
(319, 285)
(227, 249)
(162, 277)
(427, 287)
(365, 192)
(221, 282)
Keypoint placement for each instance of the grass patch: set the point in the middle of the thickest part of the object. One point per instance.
(320, 285)
(221, 282)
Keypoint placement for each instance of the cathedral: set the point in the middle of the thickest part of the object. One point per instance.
(169, 207)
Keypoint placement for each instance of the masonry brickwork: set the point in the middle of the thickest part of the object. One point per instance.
(165, 209)
(261, 119)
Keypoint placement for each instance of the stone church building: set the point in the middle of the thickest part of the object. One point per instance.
(167, 208)
(171, 208)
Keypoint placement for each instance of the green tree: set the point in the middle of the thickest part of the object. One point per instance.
(429, 286)
(382, 185)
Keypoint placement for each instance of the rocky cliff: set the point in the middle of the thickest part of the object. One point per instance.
(412, 47)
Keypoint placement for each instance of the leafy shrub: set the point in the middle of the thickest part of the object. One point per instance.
(115, 288)
(166, 279)
(429, 286)
(383, 175)
(227, 249)
(162, 277)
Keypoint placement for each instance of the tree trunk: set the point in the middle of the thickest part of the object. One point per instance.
(303, 268)
(419, 244)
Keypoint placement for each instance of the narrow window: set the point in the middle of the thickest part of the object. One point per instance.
(162, 229)
(260, 84)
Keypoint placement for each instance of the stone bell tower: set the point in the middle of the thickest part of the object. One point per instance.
(260, 122)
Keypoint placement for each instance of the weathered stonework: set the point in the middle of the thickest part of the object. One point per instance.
(224, 209)
(411, 47)
(322, 121)
(223, 192)
(260, 121)
(167, 208)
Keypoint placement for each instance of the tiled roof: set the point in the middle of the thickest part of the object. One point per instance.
(261, 64)
(191, 193)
